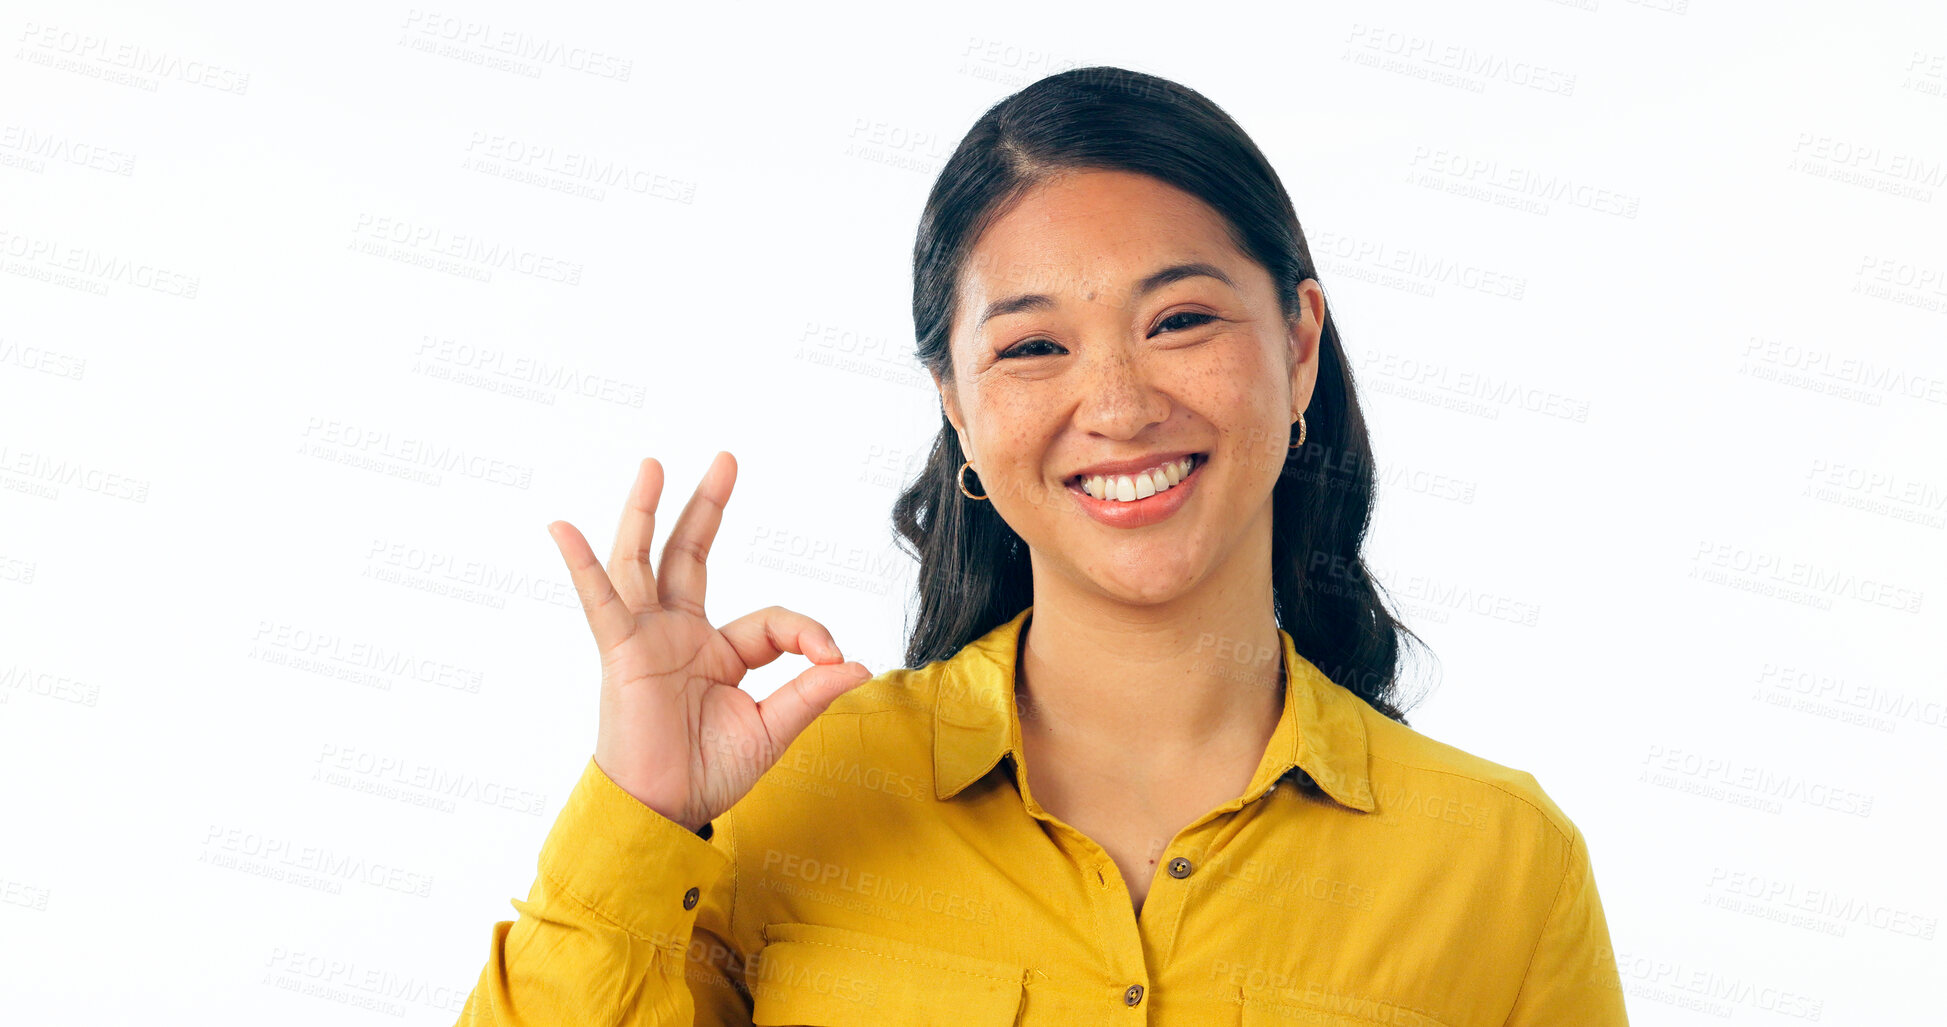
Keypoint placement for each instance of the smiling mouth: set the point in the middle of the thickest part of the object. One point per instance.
(1127, 488)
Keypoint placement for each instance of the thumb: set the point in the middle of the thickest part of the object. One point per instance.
(792, 708)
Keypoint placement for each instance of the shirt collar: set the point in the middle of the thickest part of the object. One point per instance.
(1321, 733)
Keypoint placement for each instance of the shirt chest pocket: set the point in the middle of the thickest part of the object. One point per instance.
(1271, 1012)
(820, 976)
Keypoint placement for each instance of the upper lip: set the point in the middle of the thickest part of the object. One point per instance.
(1130, 466)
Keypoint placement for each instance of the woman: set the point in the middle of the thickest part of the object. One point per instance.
(1145, 763)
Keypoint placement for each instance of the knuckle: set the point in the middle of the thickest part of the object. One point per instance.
(687, 547)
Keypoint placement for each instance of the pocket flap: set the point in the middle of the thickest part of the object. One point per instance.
(1267, 1011)
(818, 975)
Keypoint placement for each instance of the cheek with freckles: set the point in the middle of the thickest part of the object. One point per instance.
(1242, 394)
(1010, 424)
(1010, 434)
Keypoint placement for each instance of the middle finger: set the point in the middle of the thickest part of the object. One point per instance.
(681, 573)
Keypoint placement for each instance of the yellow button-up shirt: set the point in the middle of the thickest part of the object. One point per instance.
(890, 870)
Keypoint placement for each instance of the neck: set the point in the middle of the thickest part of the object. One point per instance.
(1151, 689)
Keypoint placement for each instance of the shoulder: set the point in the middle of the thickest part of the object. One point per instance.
(1420, 776)
(900, 690)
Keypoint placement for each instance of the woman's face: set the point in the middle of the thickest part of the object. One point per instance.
(1112, 368)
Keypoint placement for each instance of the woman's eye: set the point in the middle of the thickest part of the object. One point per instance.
(1021, 349)
(1175, 322)
(1201, 318)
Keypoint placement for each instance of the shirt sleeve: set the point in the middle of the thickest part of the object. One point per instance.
(1572, 977)
(626, 924)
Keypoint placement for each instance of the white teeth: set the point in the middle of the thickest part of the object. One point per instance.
(1128, 488)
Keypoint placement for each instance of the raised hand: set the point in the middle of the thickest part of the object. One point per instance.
(676, 730)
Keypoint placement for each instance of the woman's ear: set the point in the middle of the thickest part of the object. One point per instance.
(1303, 339)
(950, 406)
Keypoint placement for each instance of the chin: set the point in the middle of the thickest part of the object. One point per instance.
(1144, 573)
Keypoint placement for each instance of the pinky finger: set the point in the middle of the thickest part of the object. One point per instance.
(608, 616)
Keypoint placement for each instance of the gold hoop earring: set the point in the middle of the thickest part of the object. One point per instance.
(1301, 432)
(962, 479)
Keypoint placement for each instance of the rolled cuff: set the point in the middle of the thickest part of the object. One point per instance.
(630, 864)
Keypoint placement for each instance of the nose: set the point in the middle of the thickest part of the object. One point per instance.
(1117, 397)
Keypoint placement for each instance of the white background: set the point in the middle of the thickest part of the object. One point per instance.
(1646, 301)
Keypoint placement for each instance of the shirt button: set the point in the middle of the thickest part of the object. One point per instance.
(690, 897)
(1133, 995)
(1180, 867)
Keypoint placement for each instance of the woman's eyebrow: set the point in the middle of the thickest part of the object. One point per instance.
(1149, 284)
